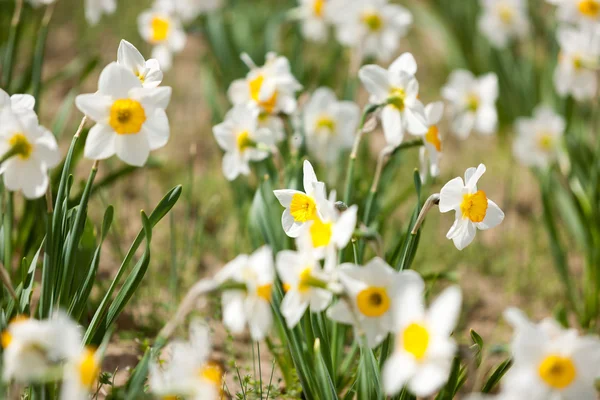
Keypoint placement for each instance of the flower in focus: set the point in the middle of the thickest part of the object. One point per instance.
(398, 89)
(251, 303)
(578, 62)
(313, 14)
(189, 10)
(473, 209)
(188, 373)
(130, 119)
(424, 350)
(372, 291)
(80, 375)
(539, 138)
(271, 88)
(472, 102)
(242, 140)
(374, 27)
(430, 153)
(95, 8)
(583, 11)
(148, 72)
(163, 30)
(503, 20)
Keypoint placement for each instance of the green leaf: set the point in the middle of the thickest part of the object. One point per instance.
(497, 375)
(478, 345)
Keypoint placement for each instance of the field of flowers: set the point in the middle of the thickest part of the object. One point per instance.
(300, 199)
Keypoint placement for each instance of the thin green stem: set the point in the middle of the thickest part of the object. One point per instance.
(9, 52)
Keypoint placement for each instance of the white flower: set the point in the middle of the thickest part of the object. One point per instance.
(20, 104)
(431, 152)
(130, 119)
(329, 125)
(398, 89)
(242, 140)
(373, 26)
(188, 373)
(163, 30)
(95, 8)
(271, 87)
(539, 138)
(503, 20)
(578, 61)
(550, 362)
(80, 375)
(473, 209)
(274, 124)
(424, 350)
(372, 291)
(583, 11)
(472, 102)
(252, 305)
(148, 72)
(188, 10)
(35, 151)
(37, 3)
(313, 15)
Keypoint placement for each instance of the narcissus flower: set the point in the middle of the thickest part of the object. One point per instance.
(314, 18)
(242, 140)
(250, 305)
(473, 209)
(148, 72)
(19, 104)
(95, 8)
(398, 89)
(472, 102)
(582, 11)
(539, 138)
(163, 30)
(372, 292)
(330, 125)
(189, 10)
(430, 153)
(271, 87)
(81, 375)
(424, 350)
(130, 119)
(503, 20)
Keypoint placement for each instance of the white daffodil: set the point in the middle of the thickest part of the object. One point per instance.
(163, 30)
(424, 350)
(398, 89)
(503, 20)
(473, 209)
(550, 362)
(242, 140)
(313, 16)
(274, 124)
(148, 72)
(271, 88)
(189, 10)
(188, 373)
(472, 102)
(582, 11)
(34, 150)
(80, 375)
(329, 125)
(36, 350)
(374, 27)
(431, 152)
(95, 8)
(250, 305)
(130, 119)
(19, 104)
(372, 291)
(539, 138)
(578, 61)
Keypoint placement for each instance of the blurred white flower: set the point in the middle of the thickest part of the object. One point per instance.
(313, 16)
(130, 119)
(80, 375)
(20, 104)
(274, 124)
(374, 27)
(250, 306)
(148, 72)
(473, 209)
(163, 30)
(582, 11)
(578, 61)
(330, 125)
(472, 102)
(272, 87)
(95, 8)
(188, 10)
(424, 350)
(503, 20)
(398, 89)
(539, 138)
(430, 153)
(37, 3)
(242, 140)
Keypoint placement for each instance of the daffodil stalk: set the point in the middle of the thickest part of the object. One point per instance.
(38, 58)
(10, 46)
(432, 200)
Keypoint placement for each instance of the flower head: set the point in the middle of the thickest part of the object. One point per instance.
(503, 20)
(162, 29)
(314, 16)
(430, 153)
(188, 10)
(539, 138)
(95, 8)
(148, 72)
(80, 375)
(585, 12)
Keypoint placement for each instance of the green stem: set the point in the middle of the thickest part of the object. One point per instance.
(8, 222)
(9, 53)
(38, 57)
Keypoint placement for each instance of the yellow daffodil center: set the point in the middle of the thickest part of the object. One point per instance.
(21, 145)
(212, 373)
(415, 340)
(433, 136)
(140, 76)
(557, 371)
(170, 397)
(474, 206)
(589, 8)
(373, 301)
(577, 62)
(305, 279)
(505, 13)
(244, 141)
(255, 85)
(397, 97)
(89, 369)
(545, 141)
(303, 208)
(160, 29)
(127, 116)
(264, 292)
(286, 287)
(320, 233)
(472, 102)
(318, 7)
(372, 20)
(326, 123)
